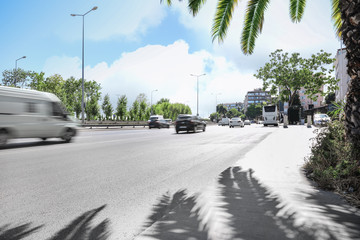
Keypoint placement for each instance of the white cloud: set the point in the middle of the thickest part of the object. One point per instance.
(168, 69)
(64, 65)
(115, 19)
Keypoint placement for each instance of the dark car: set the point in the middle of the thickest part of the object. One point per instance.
(189, 123)
(158, 123)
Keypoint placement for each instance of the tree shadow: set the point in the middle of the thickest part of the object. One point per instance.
(81, 228)
(173, 217)
(16, 233)
(338, 211)
(243, 209)
(254, 210)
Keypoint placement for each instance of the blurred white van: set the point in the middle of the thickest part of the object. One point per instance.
(33, 114)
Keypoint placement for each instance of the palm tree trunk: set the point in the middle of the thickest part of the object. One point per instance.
(350, 14)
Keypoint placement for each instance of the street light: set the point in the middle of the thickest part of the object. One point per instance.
(82, 75)
(151, 100)
(216, 94)
(16, 68)
(197, 99)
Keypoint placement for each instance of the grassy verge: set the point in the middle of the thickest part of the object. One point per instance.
(334, 163)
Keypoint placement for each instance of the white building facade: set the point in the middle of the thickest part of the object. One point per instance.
(341, 74)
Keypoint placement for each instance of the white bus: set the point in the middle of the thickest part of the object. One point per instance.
(270, 114)
(28, 113)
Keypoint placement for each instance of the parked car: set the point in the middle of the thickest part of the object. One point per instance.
(185, 122)
(156, 117)
(169, 121)
(161, 123)
(247, 122)
(220, 123)
(321, 119)
(236, 122)
(225, 121)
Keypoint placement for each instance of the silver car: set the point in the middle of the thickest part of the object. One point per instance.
(236, 122)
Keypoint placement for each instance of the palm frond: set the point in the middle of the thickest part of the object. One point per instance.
(254, 19)
(336, 17)
(222, 19)
(297, 9)
(195, 5)
(167, 1)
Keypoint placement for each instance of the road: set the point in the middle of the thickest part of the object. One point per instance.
(109, 184)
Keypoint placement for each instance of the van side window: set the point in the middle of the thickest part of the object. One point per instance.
(56, 109)
(31, 107)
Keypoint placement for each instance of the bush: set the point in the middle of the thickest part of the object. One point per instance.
(333, 163)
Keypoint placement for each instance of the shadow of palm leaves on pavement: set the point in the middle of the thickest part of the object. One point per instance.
(334, 207)
(255, 209)
(173, 218)
(244, 209)
(81, 228)
(16, 233)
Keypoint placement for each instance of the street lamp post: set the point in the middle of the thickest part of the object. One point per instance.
(16, 68)
(197, 96)
(82, 75)
(151, 100)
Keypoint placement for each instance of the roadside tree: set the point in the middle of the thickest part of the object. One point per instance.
(16, 78)
(253, 111)
(134, 111)
(233, 113)
(285, 75)
(107, 107)
(215, 116)
(121, 108)
(221, 109)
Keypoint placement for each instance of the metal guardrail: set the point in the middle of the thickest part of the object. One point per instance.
(115, 124)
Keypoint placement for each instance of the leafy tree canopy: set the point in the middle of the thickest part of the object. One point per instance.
(107, 107)
(163, 100)
(253, 111)
(285, 74)
(16, 78)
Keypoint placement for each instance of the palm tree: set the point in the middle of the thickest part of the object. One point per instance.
(346, 18)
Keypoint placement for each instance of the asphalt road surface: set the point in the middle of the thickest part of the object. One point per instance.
(108, 183)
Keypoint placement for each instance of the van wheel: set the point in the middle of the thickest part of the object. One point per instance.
(69, 133)
(204, 128)
(4, 136)
(44, 139)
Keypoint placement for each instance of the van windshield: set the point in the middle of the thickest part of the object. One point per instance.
(58, 109)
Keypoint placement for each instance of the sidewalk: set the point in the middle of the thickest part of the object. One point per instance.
(264, 196)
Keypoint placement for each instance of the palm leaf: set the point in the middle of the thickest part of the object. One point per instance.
(254, 19)
(222, 19)
(195, 5)
(167, 1)
(297, 9)
(336, 17)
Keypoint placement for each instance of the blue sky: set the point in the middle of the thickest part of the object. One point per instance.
(134, 47)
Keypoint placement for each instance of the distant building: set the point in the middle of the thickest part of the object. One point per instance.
(256, 96)
(237, 105)
(341, 73)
